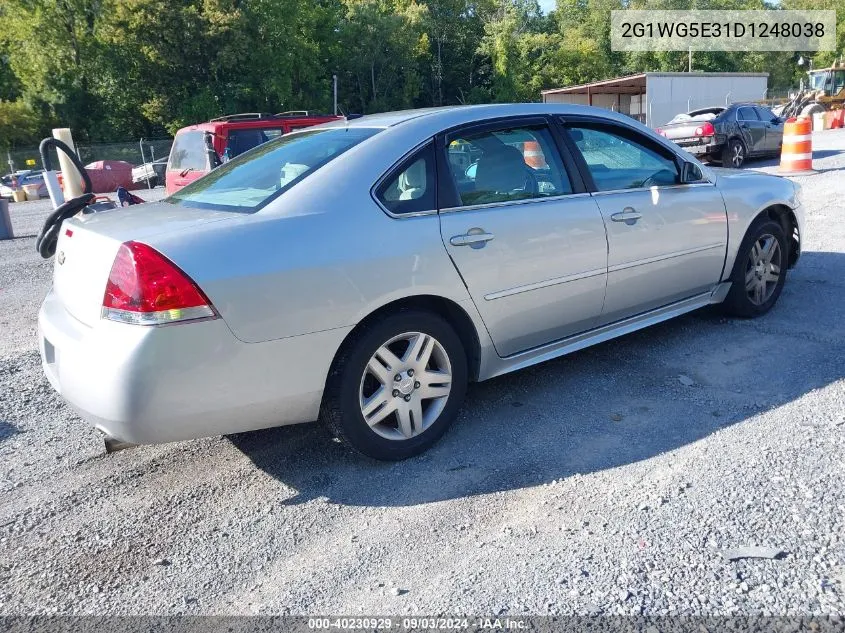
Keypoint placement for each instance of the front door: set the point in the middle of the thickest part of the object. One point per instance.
(753, 130)
(188, 160)
(666, 240)
(774, 129)
(530, 246)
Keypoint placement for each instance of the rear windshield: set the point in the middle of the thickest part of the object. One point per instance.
(699, 115)
(250, 181)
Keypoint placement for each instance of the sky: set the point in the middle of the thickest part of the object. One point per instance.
(547, 5)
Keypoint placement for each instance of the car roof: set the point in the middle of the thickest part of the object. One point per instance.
(448, 116)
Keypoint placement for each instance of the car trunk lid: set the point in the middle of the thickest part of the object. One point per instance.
(682, 131)
(88, 243)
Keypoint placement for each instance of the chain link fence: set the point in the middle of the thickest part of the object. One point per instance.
(134, 152)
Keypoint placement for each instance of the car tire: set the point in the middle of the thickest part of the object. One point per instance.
(367, 408)
(734, 154)
(759, 271)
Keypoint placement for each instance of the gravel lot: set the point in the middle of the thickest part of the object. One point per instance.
(609, 481)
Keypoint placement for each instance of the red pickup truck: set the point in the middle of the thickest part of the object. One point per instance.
(197, 149)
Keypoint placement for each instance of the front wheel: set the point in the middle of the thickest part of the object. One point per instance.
(397, 386)
(759, 272)
(734, 154)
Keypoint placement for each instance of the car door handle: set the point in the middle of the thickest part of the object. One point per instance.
(628, 215)
(468, 239)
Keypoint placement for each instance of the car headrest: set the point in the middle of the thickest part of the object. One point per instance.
(501, 169)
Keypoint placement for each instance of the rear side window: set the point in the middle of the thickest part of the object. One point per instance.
(240, 141)
(411, 187)
(622, 160)
(189, 151)
(250, 181)
(503, 165)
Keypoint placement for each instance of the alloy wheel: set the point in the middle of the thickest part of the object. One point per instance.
(405, 386)
(762, 271)
(737, 155)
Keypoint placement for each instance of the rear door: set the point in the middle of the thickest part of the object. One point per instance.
(188, 160)
(752, 129)
(666, 240)
(527, 239)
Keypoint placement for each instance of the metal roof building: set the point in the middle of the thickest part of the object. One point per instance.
(654, 98)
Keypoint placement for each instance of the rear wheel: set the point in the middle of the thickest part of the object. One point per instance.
(734, 154)
(759, 272)
(397, 386)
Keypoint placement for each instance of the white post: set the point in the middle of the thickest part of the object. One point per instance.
(690, 60)
(71, 178)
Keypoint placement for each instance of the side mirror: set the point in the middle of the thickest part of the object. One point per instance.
(691, 173)
(776, 121)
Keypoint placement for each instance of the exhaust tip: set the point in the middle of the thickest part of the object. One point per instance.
(113, 445)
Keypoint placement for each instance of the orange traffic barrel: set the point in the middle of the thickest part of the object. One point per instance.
(796, 157)
(839, 119)
(532, 155)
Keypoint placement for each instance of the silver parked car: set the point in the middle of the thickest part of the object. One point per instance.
(363, 272)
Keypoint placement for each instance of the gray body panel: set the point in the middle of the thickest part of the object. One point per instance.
(291, 281)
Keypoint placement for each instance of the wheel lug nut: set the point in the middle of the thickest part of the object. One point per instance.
(417, 384)
(397, 377)
(408, 398)
(410, 372)
(395, 393)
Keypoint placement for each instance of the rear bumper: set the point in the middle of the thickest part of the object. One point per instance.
(702, 149)
(147, 385)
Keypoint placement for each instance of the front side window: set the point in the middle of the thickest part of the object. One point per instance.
(516, 163)
(189, 152)
(619, 160)
(250, 181)
(746, 114)
(411, 187)
(764, 113)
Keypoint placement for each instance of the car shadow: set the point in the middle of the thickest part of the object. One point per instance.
(607, 406)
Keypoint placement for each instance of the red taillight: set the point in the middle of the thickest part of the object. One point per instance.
(146, 288)
(705, 129)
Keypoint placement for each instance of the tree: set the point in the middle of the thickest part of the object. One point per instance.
(17, 123)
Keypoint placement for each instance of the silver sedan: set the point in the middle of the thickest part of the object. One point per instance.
(364, 271)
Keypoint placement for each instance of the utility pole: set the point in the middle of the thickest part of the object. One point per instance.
(334, 89)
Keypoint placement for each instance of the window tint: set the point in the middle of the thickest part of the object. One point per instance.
(510, 164)
(764, 113)
(411, 187)
(746, 114)
(189, 151)
(248, 182)
(617, 161)
(240, 141)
